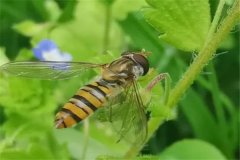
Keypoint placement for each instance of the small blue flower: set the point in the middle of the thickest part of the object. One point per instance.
(47, 50)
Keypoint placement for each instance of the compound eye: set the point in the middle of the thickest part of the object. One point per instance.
(141, 60)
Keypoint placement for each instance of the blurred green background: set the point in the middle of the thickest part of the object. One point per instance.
(97, 31)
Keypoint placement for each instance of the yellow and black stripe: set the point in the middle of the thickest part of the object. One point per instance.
(87, 100)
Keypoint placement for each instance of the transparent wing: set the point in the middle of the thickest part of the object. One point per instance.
(47, 69)
(127, 115)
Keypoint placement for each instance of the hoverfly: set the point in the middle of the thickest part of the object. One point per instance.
(116, 89)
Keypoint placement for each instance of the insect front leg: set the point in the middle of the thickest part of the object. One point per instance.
(157, 79)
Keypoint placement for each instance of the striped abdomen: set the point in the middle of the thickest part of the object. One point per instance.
(87, 100)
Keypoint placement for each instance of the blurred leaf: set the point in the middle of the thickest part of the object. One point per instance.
(228, 43)
(25, 55)
(35, 7)
(142, 36)
(14, 154)
(19, 97)
(46, 148)
(53, 10)
(68, 9)
(225, 114)
(3, 57)
(2, 115)
(192, 149)
(12, 12)
(183, 24)
(39, 8)
(87, 40)
(30, 28)
(107, 2)
(120, 10)
(204, 128)
(219, 110)
(95, 146)
(140, 157)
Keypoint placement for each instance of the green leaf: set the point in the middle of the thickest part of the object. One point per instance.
(143, 36)
(120, 10)
(97, 143)
(68, 8)
(86, 34)
(15, 12)
(35, 148)
(14, 154)
(225, 110)
(30, 28)
(192, 149)
(183, 24)
(53, 10)
(107, 2)
(3, 57)
(195, 109)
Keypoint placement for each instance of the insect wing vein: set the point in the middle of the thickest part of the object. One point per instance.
(127, 115)
(47, 69)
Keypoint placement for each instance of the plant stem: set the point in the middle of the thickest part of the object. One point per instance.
(107, 28)
(86, 138)
(215, 21)
(205, 55)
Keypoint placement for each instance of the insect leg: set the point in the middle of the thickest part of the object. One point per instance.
(158, 78)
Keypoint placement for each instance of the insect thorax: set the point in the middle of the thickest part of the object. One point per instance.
(121, 71)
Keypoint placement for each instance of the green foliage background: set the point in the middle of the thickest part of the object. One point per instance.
(204, 124)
